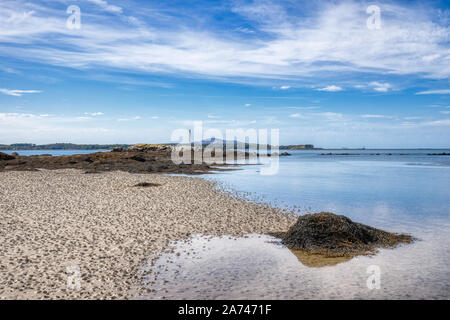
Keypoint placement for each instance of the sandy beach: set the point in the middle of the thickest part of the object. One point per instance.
(55, 221)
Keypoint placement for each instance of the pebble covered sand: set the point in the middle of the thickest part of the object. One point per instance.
(56, 223)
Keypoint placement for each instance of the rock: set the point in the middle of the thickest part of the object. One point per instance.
(6, 157)
(147, 184)
(338, 236)
(117, 149)
(142, 147)
(138, 158)
(283, 154)
(15, 154)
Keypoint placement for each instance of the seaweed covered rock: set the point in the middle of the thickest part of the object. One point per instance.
(4, 156)
(338, 236)
(142, 147)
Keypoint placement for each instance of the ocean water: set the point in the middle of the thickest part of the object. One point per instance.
(408, 186)
(404, 191)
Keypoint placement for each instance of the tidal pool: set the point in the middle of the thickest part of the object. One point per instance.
(260, 267)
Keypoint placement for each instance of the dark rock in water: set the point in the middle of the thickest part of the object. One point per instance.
(338, 236)
(283, 154)
(6, 157)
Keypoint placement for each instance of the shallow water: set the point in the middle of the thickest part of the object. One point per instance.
(407, 191)
(260, 267)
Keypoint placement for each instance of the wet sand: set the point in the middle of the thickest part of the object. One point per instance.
(55, 222)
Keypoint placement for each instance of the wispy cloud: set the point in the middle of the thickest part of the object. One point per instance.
(443, 122)
(443, 91)
(380, 87)
(94, 114)
(410, 42)
(16, 92)
(304, 108)
(129, 119)
(331, 88)
(376, 116)
(104, 5)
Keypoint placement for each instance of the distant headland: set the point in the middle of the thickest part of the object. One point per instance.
(73, 146)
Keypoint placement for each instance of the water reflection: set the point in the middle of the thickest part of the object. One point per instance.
(317, 260)
(259, 267)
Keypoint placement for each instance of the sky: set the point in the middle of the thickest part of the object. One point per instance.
(329, 73)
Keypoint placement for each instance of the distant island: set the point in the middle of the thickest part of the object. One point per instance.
(73, 146)
(299, 147)
(61, 146)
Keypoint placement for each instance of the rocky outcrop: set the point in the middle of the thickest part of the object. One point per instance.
(6, 157)
(142, 147)
(134, 162)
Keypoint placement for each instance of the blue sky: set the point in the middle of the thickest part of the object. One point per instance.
(137, 70)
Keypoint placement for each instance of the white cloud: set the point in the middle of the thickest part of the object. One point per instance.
(380, 87)
(443, 91)
(94, 114)
(285, 87)
(155, 117)
(445, 112)
(375, 116)
(296, 115)
(304, 108)
(443, 122)
(413, 118)
(129, 119)
(16, 92)
(331, 88)
(247, 105)
(106, 6)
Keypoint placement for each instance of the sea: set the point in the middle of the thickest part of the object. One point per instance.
(404, 191)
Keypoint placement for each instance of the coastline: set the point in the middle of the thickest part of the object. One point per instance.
(108, 228)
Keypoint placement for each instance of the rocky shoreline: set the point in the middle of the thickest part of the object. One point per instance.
(149, 161)
(136, 159)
